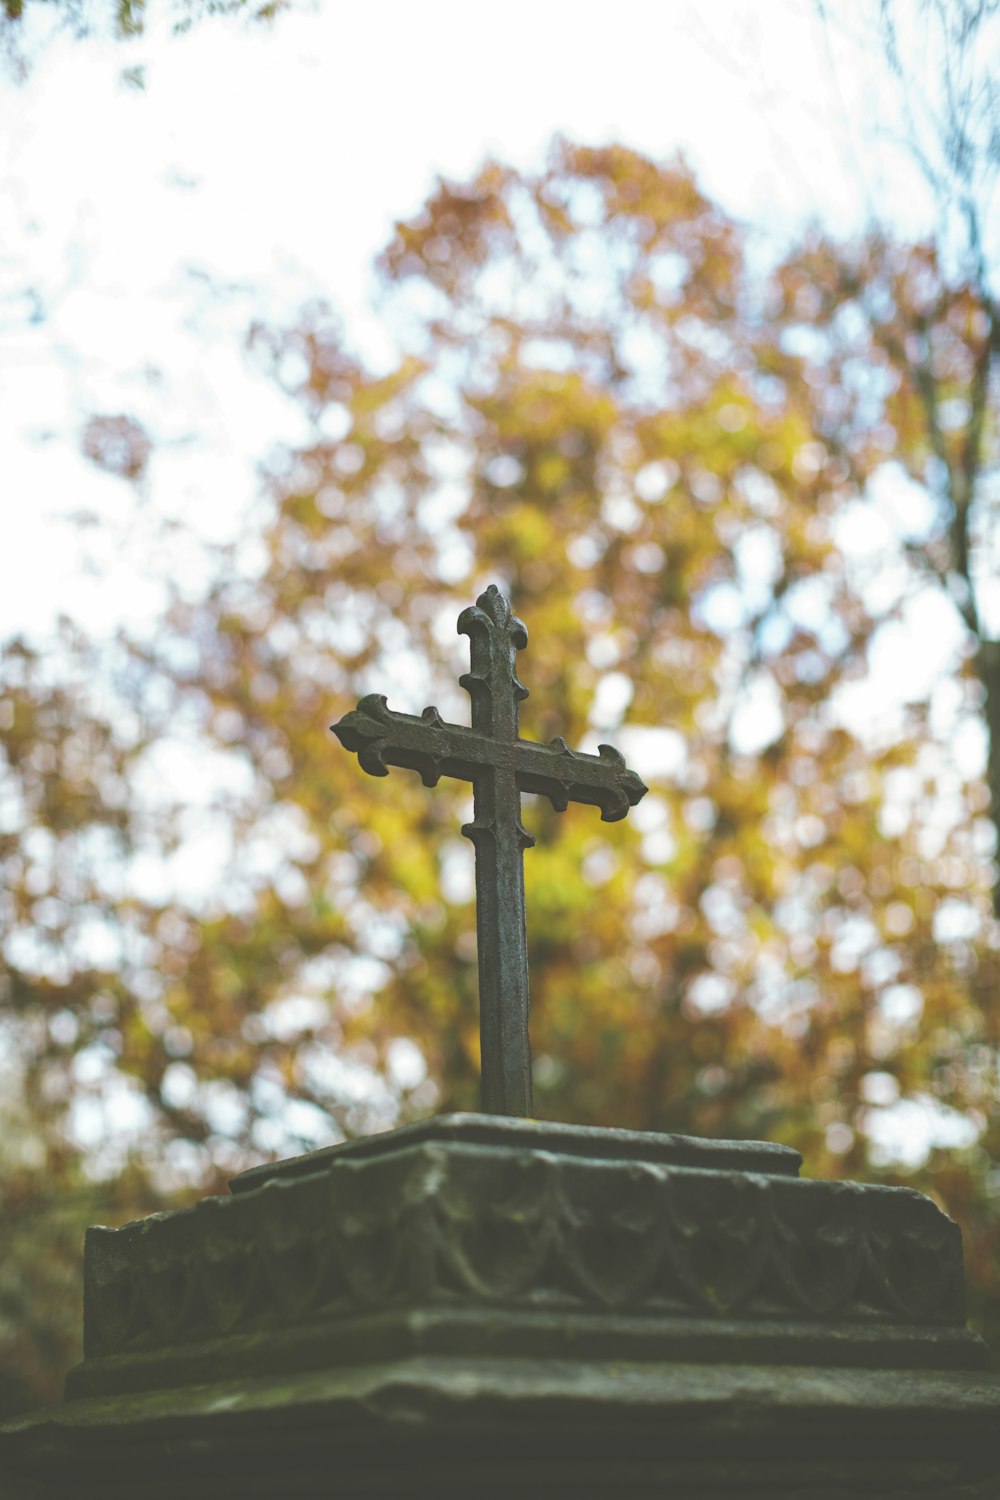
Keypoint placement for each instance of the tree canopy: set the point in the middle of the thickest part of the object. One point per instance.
(711, 488)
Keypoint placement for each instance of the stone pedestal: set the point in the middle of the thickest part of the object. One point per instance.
(485, 1306)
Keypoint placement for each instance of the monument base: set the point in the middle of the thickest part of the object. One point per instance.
(494, 1306)
(429, 1426)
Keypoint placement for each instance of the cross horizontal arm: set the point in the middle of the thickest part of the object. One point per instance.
(381, 737)
(564, 775)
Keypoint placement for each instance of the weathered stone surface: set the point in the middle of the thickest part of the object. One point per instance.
(496, 1427)
(592, 1141)
(487, 1306)
(483, 1240)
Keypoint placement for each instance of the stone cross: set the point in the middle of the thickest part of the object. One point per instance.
(500, 766)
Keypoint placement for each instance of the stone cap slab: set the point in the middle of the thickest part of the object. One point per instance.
(503, 1132)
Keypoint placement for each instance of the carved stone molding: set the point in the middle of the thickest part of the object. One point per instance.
(459, 1229)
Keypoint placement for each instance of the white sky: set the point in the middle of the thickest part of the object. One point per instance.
(270, 163)
(263, 166)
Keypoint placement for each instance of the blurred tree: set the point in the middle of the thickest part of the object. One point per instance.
(929, 323)
(223, 940)
(125, 18)
(119, 20)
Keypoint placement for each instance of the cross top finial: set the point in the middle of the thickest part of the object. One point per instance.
(500, 765)
(495, 635)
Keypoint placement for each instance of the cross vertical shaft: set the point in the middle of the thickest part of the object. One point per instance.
(502, 944)
(500, 840)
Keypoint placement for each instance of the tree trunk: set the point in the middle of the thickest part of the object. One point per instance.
(988, 671)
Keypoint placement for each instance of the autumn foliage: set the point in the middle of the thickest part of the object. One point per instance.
(607, 404)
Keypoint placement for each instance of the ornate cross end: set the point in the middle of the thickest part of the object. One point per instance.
(564, 776)
(501, 766)
(495, 636)
(380, 737)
